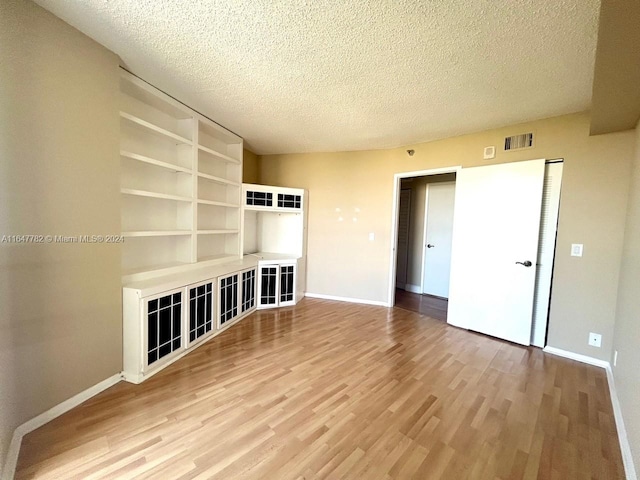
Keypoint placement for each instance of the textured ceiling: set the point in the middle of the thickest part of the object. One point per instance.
(305, 75)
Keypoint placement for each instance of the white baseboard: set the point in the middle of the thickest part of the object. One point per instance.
(576, 356)
(11, 461)
(625, 448)
(413, 288)
(346, 299)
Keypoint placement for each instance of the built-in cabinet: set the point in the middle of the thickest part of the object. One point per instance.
(277, 284)
(274, 230)
(165, 317)
(201, 249)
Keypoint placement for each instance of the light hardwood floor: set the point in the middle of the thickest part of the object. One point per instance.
(434, 307)
(334, 390)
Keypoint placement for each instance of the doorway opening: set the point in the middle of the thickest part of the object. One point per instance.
(425, 226)
(423, 214)
(408, 289)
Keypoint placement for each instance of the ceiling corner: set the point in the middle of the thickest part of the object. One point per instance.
(616, 83)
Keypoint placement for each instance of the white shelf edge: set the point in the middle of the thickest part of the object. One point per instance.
(152, 273)
(217, 232)
(163, 196)
(153, 161)
(155, 128)
(218, 204)
(222, 156)
(216, 259)
(129, 275)
(217, 179)
(156, 233)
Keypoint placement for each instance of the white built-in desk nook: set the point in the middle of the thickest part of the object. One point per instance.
(202, 250)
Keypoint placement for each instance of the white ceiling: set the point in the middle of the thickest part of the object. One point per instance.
(305, 75)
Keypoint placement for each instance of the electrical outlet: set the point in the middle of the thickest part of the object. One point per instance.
(595, 339)
(372, 236)
(615, 358)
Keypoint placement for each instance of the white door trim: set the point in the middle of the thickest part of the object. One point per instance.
(394, 220)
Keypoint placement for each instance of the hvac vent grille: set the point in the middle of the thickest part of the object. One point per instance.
(517, 142)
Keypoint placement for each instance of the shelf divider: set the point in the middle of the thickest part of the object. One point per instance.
(218, 204)
(156, 233)
(163, 196)
(153, 161)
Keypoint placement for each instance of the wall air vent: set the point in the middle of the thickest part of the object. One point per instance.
(518, 142)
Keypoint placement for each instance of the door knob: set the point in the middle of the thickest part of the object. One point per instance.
(430, 246)
(526, 263)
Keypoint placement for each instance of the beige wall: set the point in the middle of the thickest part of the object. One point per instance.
(627, 327)
(250, 169)
(60, 304)
(342, 262)
(418, 188)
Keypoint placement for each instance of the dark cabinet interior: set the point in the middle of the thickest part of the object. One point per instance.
(200, 311)
(164, 318)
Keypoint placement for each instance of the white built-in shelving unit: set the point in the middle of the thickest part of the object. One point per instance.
(201, 249)
(180, 184)
(274, 231)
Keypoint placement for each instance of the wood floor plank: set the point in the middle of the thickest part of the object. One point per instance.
(328, 390)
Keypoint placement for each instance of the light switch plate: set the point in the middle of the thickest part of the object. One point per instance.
(576, 249)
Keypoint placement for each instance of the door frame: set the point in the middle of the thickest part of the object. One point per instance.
(394, 221)
(424, 231)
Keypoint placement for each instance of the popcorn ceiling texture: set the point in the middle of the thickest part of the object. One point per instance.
(304, 76)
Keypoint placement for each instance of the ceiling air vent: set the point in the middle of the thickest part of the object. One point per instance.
(518, 142)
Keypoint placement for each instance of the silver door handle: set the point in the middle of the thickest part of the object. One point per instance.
(430, 246)
(526, 263)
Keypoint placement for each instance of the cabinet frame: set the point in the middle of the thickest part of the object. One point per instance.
(293, 292)
(187, 315)
(145, 367)
(261, 268)
(234, 318)
(242, 290)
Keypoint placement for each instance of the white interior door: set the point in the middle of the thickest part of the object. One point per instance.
(404, 211)
(440, 199)
(495, 246)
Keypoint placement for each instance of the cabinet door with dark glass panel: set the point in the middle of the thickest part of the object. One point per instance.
(287, 293)
(268, 286)
(200, 320)
(163, 335)
(228, 299)
(248, 295)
